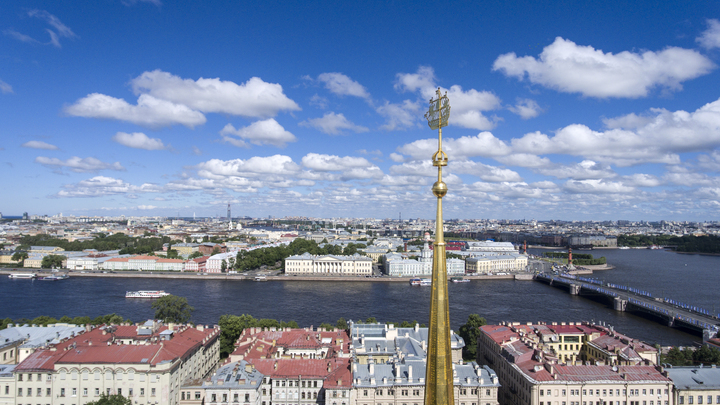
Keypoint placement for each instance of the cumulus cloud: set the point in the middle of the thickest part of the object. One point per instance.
(571, 68)
(524, 160)
(266, 132)
(396, 157)
(149, 111)
(333, 124)
(526, 108)
(587, 169)
(483, 144)
(710, 38)
(399, 116)
(641, 180)
(78, 165)
(320, 162)
(253, 167)
(466, 106)
(100, 186)
(39, 145)
(342, 85)
(5, 88)
(597, 186)
(138, 140)
(254, 98)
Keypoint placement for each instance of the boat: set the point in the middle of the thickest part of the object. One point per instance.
(415, 281)
(23, 275)
(145, 294)
(459, 280)
(260, 278)
(54, 278)
(425, 281)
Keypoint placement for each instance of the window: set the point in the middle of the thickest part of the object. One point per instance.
(39, 392)
(20, 377)
(84, 392)
(48, 392)
(365, 393)
(107, 391)
(49, 377)
(563, 392)
(152, 392)
(690, 399)
(699, 399)
(213, 398)
(487, 392)
(224, 397)
(130, 392)
(62, 392)
(20, 392)
(197, 393)
(652, 391)
(709, 399)
(97, 374)
(681, 400)
(264, 391)
(247, 397)
(404, 393)
(417, 392)
(314, 384)
(119, 391)
(85, 374)
(97, 391)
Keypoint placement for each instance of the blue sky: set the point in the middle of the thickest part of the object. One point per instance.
(560, 110)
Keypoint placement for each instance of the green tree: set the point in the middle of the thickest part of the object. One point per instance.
(52, 262)
(341, 324)
(19, 256)
(188, 239)
(470, 332)
(172, 254)
(326, 326)
(371, 320)
(115, 399)
(223, 266)
(400, 249)
(171, 308)
(195, 255)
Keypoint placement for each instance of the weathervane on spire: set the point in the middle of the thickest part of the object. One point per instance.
(439, 373)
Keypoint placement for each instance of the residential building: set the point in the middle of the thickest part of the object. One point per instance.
(146, 363)
(695, 385)
(328, 265)
(374, 252)
(7, 384)
(207, 248)
(214, 263)
(396, 265)
(17, 342)
(185, 249)
(144, 263)
(541, 364)
(236, 382)
(6, 257)
(490, 246)
(196, 264)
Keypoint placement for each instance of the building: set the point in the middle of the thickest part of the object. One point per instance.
(146, 363)
(185, 249)
(6, 257)
(7, 384)
(695, 385)
(208, 248)
(592, 241)
(374, 252)
(328, 265)
(542, 364)
(398, 266)
(17, 342)
(489, 246)
(493, 262)
(196, 264)
(214, 263)
(233, 382)
(144, 263)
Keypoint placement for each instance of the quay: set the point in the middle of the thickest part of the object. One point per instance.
(623, 298)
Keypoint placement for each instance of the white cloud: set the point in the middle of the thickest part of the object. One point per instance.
(399, 116)
(484, 172)
(524, 160)
(597, 186)
(587, 169)
(319, 101)
(255, 98)
(396, 157)
(99, 186)
(253, 167)
(266, 132)
(62, 29)
(483, 144)
(320, 162)
(20, 36)
(39, 145)
(78, 165)
(332, 124)
(629, 121)
(526, 108)
(710, 162)
(5, 88)
(567, 67)
(466, 106)
(342, 85)
(149, 111)
(138, 140)
(641, 180)
(710, 38)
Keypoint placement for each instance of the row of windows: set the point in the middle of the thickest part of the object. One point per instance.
(416, 393)
(213, 397)
(290, 384)
(607, 403)
(606, 392)
(681, 399)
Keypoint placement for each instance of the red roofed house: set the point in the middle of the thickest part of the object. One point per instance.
(147, 363)
(573, 364)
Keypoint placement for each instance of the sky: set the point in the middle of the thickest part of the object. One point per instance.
(569, 110)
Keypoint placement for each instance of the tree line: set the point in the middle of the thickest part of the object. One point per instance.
(691, 357)
(685, 243)
(248, 260)
(581, 259)
(118, 241)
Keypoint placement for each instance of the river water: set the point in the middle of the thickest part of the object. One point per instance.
(689, 278)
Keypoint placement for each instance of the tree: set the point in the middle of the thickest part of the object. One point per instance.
(371, 320)
(20, 257)
(223, 266)
(115, 399)
(400, 249)
(195, 255)
(171, 308)
(341, 324)
(326, 326)
(188, 239)
(470, 332)
(231, 263)
(172, 254)
(52, 262)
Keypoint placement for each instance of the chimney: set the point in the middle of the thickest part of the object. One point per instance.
(417, 327)
(410, 377)
(371, 367)
(329, 367)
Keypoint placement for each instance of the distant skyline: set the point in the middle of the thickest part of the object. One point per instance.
(560, 110)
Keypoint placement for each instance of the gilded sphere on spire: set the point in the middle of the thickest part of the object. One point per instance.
(439, 189)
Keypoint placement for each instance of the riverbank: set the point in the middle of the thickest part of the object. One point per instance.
(241, 277)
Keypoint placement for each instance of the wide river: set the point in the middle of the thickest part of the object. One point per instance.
(692, 279)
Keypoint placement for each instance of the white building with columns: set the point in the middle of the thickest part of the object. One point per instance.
(328, 265)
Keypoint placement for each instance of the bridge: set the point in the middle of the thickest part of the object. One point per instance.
(624, 298)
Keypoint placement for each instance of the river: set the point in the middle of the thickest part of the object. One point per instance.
(689, 278)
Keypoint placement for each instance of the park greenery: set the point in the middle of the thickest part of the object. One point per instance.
(45, 320)
(470, 332)
(271, 256)
(580, 259)
(691, 357)
(172, 308)
(114, 399)
(126, 244)
(52, 262)
(685, 243)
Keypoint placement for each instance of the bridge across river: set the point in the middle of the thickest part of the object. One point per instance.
(629, 299)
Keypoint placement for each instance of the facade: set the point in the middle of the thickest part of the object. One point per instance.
(593, 240)
(236, 382)
(547, 365)
(214, 262)
(490, 246)
(374, 252)
(207, 248)
(82, 263)
(6, 257)
(185, 249)
(144, 263)
(196, 264)
(146, 363)
(397, 266)
(328, 265)
(7, 384)
(493, 262)
(695, 385)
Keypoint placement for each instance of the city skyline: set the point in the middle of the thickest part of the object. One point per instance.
(149, 108)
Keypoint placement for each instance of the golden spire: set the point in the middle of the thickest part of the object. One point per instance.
(439, 372)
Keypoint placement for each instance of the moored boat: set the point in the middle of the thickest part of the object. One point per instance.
(54, 278)
(146, 294)
(260, 278)
(459, 280)
(425, 281)
(415, 281)
(23, 275)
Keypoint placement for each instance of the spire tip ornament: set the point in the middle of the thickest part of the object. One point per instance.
(439, 373)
